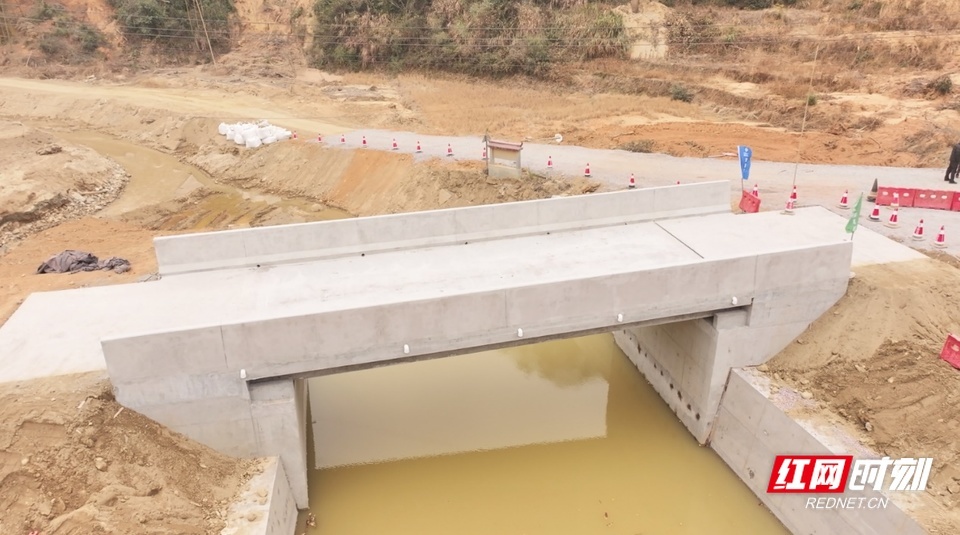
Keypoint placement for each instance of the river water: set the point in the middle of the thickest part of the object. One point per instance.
(557, 438)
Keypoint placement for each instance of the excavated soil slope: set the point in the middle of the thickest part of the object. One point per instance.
(874, 361)
(73, 462)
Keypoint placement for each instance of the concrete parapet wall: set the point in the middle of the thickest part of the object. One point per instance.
(265, 505)
(751, 430)
(326, 239)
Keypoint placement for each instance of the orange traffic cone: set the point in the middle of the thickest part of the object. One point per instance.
(449, 150)
(586, 171)
(549, 162)
(418, 147)
(875, 214)
(844, 203)
(343, 139)
(918, 232)
(633, 182)
(894, 221)
(364, 142)
(794, 194)
(294, 134)
(788, 210)
(484, 153)
(941, 239)
(394, 144)
(756, 191)
(319, 138)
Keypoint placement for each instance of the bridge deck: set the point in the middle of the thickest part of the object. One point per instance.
(59, 332)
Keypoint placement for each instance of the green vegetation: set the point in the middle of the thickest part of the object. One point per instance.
(482, 37)
(176, 24)
(681, 93)
(45, 11)
(742, 4)
(640, 145)
(942, 85)
(68, 40)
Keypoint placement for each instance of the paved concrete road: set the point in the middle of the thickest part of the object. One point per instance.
(821, 185)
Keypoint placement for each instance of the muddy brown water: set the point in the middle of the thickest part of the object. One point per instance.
(156, 177)
(557, 438)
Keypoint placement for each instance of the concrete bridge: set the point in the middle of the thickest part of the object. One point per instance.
(219, 347)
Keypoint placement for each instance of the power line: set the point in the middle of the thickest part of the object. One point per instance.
(653, 26)
(425, 41)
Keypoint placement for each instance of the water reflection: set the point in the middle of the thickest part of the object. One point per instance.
(455, 405)
(591, 451)
(571, 370)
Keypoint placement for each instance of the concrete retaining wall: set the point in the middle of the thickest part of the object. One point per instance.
(751, 430)
(310, 241)
(688, 362)
(265, 506)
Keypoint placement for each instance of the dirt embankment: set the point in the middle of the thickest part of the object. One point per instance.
(874, 361)
(73, 462)
(370, 182)
(44, 180)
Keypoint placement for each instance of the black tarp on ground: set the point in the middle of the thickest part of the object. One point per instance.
(71, 261)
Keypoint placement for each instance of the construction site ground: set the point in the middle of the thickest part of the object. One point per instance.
(140, 156)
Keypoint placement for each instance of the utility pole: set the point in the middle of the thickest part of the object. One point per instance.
(213, 58)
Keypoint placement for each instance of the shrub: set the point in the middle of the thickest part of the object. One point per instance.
(681, 93)
(90, 39)
(46, 11)
(175, 23)
(640, 145)
(942, 85)
(52, 45)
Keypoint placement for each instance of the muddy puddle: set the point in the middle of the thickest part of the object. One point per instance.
(166, 194)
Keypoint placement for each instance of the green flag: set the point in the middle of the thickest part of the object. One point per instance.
(855, 216)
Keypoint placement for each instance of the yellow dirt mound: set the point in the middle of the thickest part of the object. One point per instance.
(874, 361)
(72, 462)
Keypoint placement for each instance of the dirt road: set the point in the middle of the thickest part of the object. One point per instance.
(817, 184)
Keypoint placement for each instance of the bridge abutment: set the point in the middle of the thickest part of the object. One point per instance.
(688, 362)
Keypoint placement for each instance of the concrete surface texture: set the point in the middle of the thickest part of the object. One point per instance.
(751, 430)
(818, 185)
(311, 241)
(265, 505)
(212, 354)
(193, 380)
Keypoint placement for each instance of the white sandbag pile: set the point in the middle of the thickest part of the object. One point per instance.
(252, 135)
